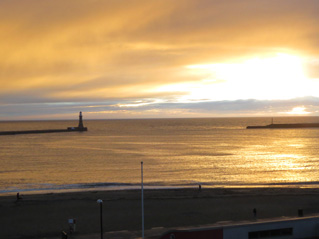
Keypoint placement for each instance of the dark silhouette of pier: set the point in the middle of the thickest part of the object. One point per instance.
(285, 126)
(79, 128)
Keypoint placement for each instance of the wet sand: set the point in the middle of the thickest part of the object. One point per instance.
(46, 215)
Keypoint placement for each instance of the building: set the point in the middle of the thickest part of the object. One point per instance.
(292, 228)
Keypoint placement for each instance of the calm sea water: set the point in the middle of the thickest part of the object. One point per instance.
(217, 152)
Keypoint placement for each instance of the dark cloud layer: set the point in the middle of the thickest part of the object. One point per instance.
(122, 109)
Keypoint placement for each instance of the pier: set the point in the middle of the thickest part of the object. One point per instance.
(285, 126)
(79, 128)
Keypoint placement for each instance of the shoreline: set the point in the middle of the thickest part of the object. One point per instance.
(78, 188)
(46, 215)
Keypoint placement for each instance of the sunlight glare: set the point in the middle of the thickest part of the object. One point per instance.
(265, 78)
(301, 110)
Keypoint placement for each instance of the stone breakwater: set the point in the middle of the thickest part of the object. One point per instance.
(70, 129)
(285, 126)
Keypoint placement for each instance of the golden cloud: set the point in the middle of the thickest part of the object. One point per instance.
(116, 48)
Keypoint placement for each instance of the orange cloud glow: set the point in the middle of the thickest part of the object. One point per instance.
(89, 52)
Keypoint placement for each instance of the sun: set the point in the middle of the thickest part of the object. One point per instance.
(278, 77)
(300, 110)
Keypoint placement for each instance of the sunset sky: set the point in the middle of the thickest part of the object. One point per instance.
(158, 58)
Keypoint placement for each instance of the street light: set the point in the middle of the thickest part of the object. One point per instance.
(142, 189)
(100, 201)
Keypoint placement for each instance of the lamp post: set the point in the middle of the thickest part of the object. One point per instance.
(100, 201)
(142, 189)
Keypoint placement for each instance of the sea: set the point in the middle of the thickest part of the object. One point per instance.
(211, 152)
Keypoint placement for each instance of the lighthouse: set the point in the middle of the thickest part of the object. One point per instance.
(80, 121)
(80, 126)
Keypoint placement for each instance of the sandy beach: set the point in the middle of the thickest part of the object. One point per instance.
(46, 215)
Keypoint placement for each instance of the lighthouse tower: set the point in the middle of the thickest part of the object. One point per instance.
(80, 121)
(80, 126)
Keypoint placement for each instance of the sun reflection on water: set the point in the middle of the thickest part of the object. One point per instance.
(282, 159)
